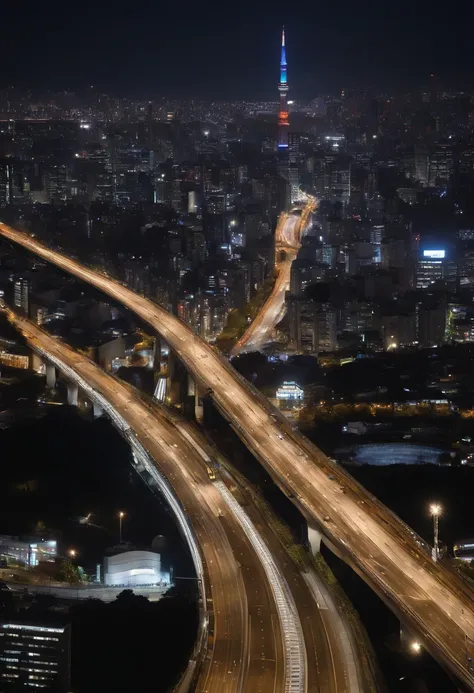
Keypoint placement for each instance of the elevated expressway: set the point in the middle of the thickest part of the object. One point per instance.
(326, 661)
(244, 625)
(334, 656)
(429, 599)
(289, 232)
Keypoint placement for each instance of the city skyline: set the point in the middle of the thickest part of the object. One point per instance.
(242, 237)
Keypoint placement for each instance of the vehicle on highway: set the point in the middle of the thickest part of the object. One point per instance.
(211, 473)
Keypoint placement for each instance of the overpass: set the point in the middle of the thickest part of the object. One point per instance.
(289, 233)
(330, 657)
(433, 601)
(334, 653)
(252, 627)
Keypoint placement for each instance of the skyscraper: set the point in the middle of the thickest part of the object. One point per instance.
(21, 294)
(6, 183)
(283, 89)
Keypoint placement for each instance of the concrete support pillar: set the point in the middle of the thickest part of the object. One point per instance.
(97, 410)
(181, 389)
(157, 355)
(198, 407)
(170, 378)
(50, 376)
(314, 539)
(191, 385)
(176, 384)
(160, 389)
(193, 402)
(36, 363)
(72, 394)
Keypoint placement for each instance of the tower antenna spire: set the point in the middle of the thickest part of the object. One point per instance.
(283, 89)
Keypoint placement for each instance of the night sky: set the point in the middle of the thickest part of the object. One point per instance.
(229, 49)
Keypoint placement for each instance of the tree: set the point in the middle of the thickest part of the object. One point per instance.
(40, 528)
(250, 362)
(68, 572)
(127, 599)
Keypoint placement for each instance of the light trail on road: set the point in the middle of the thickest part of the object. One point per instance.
(290, 230)
(330, 656)
(295, 654)
(178, 470)
(432, 601)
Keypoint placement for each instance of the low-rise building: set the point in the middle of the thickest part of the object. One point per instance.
(132, 569)
(28, 552)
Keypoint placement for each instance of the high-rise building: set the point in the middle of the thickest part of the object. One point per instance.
(313, 326)
(149, 125)
(434, 267)
(440, 164)
(21, 294)
(294, 180)
(338, 180)
(422, 165)
(34, 655)
(6, 183)
(431, 323)
(325, 329)
(55, 183)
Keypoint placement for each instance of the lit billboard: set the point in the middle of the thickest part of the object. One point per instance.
(434, 254)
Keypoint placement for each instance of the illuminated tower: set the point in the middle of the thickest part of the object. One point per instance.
(283, 89)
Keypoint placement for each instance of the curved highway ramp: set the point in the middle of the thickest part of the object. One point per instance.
(255, 641)
(290, 230)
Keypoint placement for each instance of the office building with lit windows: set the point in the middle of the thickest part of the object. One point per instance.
(290, 391)
(435, 267)
(21, 294)
(27, 552)
(35, 656)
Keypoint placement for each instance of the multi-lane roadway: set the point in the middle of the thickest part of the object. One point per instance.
(288, 234)
(333, 660)
(430, 599)
(314, 628)
(246, 652)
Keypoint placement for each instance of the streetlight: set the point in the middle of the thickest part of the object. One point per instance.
(72, 553)
(435, 510)
(121, 516)
(415, 647)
